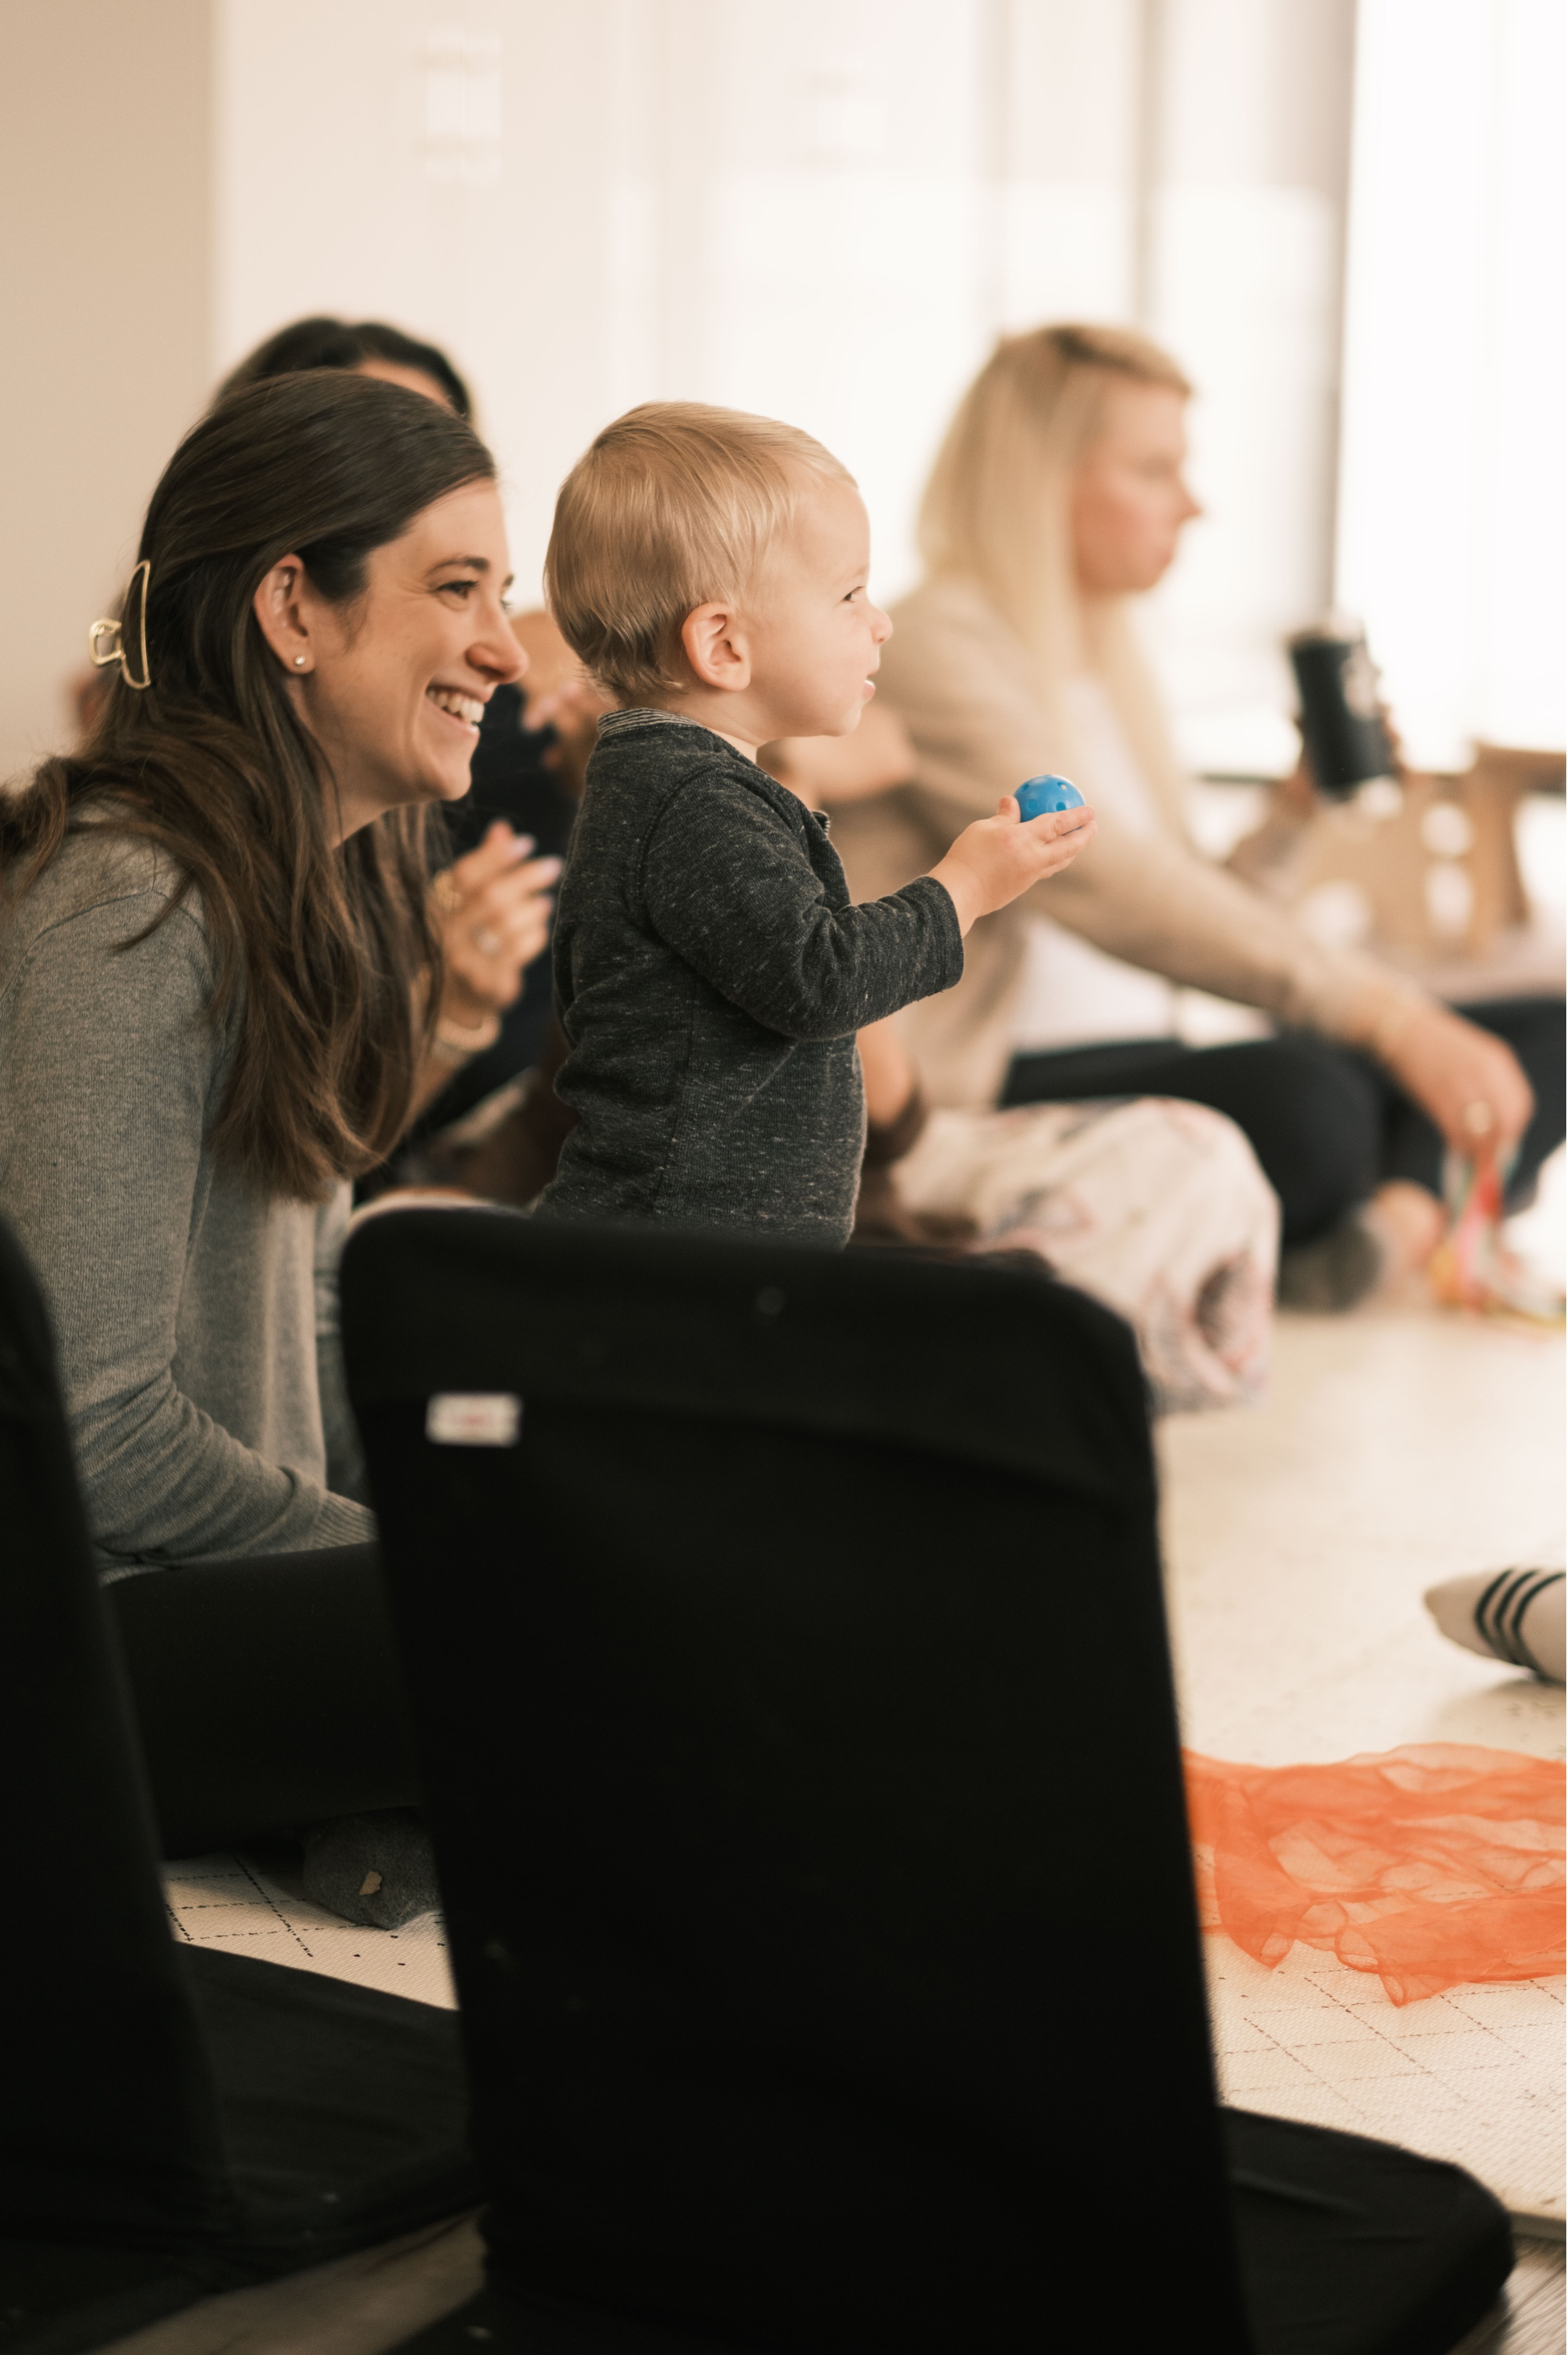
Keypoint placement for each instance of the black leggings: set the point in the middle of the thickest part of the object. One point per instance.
(267, 1692)
(1327, 1124)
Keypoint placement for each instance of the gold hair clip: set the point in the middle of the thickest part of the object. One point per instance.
(100, 657)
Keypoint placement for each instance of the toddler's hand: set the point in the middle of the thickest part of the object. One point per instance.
(997, 857)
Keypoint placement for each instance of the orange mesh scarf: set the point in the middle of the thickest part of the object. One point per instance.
(1435, 1864)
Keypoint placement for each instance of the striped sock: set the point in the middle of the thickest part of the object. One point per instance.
(1499, 1617)
(1515, 1616)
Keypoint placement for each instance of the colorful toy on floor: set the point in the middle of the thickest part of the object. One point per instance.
(1472, 1266)
(1039, 796)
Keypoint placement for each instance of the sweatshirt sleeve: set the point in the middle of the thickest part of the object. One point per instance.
(112, 1080)
(980, 728)
(730, 888)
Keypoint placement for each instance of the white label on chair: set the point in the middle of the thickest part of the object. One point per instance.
(473, 1419)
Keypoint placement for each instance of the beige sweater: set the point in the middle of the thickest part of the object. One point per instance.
(965, 687)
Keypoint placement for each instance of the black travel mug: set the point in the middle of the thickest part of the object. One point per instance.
(1342, 725)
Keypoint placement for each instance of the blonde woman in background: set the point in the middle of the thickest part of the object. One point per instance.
(1059, 495)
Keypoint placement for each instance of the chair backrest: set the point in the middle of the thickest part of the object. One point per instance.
(793, 1682)
(107, 2121)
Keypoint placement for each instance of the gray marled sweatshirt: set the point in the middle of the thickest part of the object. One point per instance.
(195, 1315)
(712, 973)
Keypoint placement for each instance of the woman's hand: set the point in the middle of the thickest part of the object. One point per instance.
(494, 906)
(997, 857)
(574, 710)
(495, 918)
(558, 695)
(1467, 1082)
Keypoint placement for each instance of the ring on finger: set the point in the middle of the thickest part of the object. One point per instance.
(487, 943)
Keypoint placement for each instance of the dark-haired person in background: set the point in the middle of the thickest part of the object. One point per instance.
(370, 347)
(219, 978)
(521, 776)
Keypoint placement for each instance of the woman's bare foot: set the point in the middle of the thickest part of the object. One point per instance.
(1409, 1223)
(1371, 1253)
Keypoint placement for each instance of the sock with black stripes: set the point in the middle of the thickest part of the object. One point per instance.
(1516, 1615)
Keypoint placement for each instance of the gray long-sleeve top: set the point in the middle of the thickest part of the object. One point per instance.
(195, 1315)
(712, 973)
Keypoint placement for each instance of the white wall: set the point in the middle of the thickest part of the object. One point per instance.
(105, 220)
(1248, 148)
(827, 211)
(1452, 496)
(780, 210)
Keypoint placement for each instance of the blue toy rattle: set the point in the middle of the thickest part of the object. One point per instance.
(1040, 796)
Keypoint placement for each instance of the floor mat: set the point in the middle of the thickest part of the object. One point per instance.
(1474, 2075)
(254, 1905)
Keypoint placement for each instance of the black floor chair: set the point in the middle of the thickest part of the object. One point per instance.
(172, 2121)
(786, 1643)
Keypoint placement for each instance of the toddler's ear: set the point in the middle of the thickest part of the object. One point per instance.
(715, 648)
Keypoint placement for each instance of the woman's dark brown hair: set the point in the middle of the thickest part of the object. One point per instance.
(328, 956)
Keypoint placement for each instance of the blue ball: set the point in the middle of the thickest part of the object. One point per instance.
(1041, 795)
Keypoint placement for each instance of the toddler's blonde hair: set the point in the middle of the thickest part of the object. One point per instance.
(672, 505)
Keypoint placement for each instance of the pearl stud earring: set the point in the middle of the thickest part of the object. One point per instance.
(299, 662)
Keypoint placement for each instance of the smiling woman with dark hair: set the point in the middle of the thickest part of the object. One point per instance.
(494, 903)
(217, 980)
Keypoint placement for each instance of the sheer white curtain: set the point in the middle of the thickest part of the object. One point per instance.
(827, 210)
(1452, 489)
(1245, 148)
